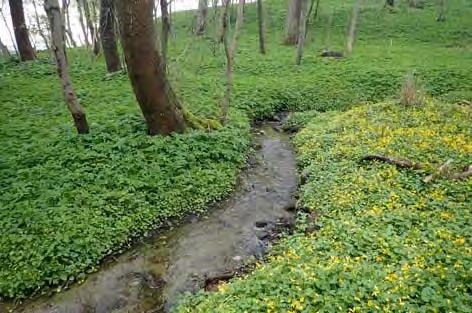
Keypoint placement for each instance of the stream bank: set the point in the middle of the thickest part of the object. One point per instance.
(151, 276)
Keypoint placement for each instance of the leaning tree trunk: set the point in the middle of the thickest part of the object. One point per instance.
(302, 31)
(351, 37)
(53, 12)
(260, 22)
(156, 98)
(165, 20)
(66, 22)
(201, 17)
(230, 51)
(293, 21)
(21, 32)
(107, 35)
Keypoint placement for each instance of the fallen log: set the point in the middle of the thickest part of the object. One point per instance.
(463, 175)
(398, 162)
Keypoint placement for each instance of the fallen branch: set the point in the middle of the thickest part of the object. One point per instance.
(441, 171)
(463, 175)
(390, 160)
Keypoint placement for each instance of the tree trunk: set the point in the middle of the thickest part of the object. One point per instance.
(4, 50)
(82, 22)
(53, 12)
(66, 22)
(201, 17)
(165, 20)
(351, 37)
(260, 19)
(441, 11)
(302, 32)
(43, 35)
(107, 35)
(390, 3)
(21, 32)
(95, 24)
(91, 27)
(230, 51)
(293, 21)
(156, 98)
(12, 39)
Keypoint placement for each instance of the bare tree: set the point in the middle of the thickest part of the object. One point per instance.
(351, 37)
(302, 31)
(202, 15)
(158, 102)
(260, 20)
(230, 51)
(91, 26)
(165, 33)
(4, 50)
(293, 21)
(66, 22)
(53, 12)
(21, 31)
(41, 31)
(82, 22)
(12, 39)
(107, 35)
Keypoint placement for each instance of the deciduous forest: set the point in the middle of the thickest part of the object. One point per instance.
(235, 156)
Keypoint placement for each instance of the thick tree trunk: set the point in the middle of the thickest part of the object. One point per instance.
(302, 31)
(82, 22)
(165, 21)
(156, 98)
(107, 35)
(351, 37)
(230, 51)
(21, 32)
(201, 17)
(293, 21)
(260, 20)
(53, 12)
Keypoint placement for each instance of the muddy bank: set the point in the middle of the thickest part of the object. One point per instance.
(152, 275)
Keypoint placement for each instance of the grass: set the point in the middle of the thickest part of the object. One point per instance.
(67, 201)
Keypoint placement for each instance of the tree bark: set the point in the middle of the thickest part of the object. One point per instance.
(201, 17)
(260, 20)
(159, 104)
(66, 22)
(108, 37)
(302, 31)
(351, 37)
(53, 12)
(165, 21)
(21, 32)
(91, 27)
(293, 21)
(43, 35)
(230, 51)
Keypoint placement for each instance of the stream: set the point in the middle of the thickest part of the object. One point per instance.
(198, 254)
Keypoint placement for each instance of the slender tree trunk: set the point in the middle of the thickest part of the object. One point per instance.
(293, 21)
(201, 17)
(302, 32)
(390, 3)
(351, 37)
(260, 20)
(4, 50)
(230, 51)
(91, 27)
(21, 31)
(80, 8)
(441, 11)
(43, 34)
(107, 35)
(165, 20)
(95, 24)
(53, 12)
(12, 39)
(156, 98)
(66, 22)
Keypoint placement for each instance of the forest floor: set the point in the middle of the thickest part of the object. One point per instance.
(385, 239)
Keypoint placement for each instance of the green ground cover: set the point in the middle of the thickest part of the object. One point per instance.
(67, 201)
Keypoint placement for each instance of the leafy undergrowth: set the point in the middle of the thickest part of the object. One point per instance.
(66, 201)
(386, 241)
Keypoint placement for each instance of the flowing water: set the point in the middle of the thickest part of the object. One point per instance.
(152, 275)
